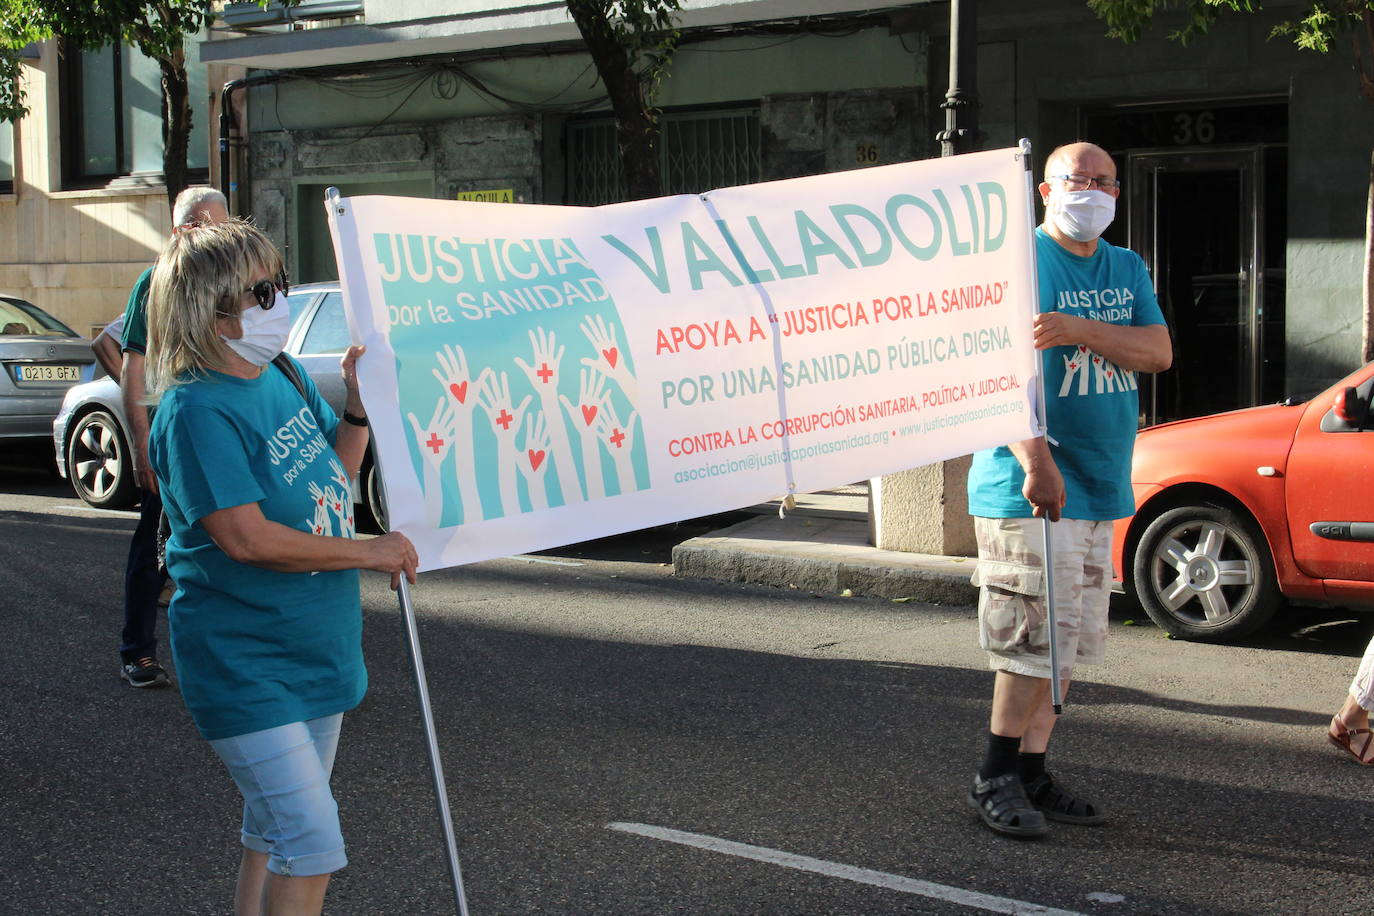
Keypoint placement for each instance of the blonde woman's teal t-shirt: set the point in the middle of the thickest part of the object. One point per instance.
(255, 648)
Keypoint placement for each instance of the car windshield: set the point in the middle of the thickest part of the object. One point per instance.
(24, 319)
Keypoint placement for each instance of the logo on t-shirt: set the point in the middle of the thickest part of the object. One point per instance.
(333, 512)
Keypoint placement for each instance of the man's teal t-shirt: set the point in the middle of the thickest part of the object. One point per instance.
(135, 335)
(1092, 407)
(255, 648)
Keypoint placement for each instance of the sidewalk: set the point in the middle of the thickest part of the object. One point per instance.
(823, 546)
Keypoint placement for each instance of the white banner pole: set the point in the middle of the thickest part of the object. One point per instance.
(436, 768)
(1056, 697)
(337, 217)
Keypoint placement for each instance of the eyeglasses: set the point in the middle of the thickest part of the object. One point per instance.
(1084, 182)
(265, 291)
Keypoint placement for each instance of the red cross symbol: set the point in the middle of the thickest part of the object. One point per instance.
(505, 419)
(617, 437)
(435, 442)
(544, 373)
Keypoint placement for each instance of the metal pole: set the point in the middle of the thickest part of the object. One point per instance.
(417, 663)
(1051, 620)
(436, 768)
(961, 101)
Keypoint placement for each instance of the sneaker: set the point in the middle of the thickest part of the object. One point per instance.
(1002, 804)
(144, 672)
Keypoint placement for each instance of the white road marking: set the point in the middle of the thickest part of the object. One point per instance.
(958, 895)
(528, 559)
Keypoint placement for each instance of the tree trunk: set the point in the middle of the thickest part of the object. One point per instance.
(1367, 331)
(176, 123)
(637, 127)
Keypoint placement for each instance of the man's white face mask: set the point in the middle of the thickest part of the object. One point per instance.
(1082, 215)
(264, 333)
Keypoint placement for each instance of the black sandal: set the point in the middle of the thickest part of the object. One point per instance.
(1059, 804)
(1002, 804)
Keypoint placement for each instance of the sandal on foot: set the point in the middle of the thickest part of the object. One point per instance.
(1059, 804)
(1358, 741)
(1003, 806)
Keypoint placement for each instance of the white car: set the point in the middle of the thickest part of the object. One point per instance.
(90, 433)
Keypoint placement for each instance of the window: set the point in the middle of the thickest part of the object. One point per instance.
(6, 157)
(329, 329)
(698, 151)
(112, 116)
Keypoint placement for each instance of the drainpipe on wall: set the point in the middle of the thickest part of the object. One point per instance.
(227, 186)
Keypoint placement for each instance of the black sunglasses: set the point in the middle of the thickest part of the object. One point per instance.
(265, 291)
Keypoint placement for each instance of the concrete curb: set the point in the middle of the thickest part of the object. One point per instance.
(825, 555)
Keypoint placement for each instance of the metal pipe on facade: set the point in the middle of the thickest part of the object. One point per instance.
(961, 101)
(226, 125)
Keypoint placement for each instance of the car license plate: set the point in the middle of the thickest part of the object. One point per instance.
(47, 373)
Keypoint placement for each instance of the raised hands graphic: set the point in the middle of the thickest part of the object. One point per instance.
(609, 360)
(493, 393)
(533, 463)
(619, 440)
(436, 441)
(319, 523)
(591, 391)
(461, 394)
(543, 376)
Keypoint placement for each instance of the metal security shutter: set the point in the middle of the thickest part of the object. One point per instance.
(698, 151)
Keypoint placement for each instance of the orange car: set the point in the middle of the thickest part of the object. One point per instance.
(1236, 511)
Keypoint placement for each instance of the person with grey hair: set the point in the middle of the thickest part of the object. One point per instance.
(256, 473)
(1098, 325)
(143, 580)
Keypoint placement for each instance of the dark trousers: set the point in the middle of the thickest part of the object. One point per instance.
(142, 584)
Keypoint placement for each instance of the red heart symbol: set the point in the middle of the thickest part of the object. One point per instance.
(1109, 374)
(459, 391)
(588, 413)
(611, 355)
(536, 459)
(1082, 348)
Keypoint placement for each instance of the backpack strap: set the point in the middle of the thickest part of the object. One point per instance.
(288, 368)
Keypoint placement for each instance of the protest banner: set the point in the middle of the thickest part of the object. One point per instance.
(540, 375)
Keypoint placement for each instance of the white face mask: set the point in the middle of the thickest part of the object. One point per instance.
(1082, 215)
(264, 333)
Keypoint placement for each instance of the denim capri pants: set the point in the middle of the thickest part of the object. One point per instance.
(289, 814)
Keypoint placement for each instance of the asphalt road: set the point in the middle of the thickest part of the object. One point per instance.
(604, 727)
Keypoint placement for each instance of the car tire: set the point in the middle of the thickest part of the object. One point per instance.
(1204, 573)
(374, 511)
(99, 463)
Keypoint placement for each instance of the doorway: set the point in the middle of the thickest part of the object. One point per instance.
(1205, 203)
(1197, 218)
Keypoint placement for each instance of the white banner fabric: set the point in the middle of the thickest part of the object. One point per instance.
(542, 375)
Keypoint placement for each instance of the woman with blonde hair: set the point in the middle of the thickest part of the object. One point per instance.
(266, 622)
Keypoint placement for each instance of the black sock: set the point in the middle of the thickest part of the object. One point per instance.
(1001, 756)
(1032, 767)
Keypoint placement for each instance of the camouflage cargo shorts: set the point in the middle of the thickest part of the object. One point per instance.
(1011, 603)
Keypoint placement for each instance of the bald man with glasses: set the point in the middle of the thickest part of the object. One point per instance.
(1099, 324)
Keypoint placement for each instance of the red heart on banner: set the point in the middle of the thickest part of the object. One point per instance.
(459, 391)
(536, 458)
(588, 413)
(611, 355)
